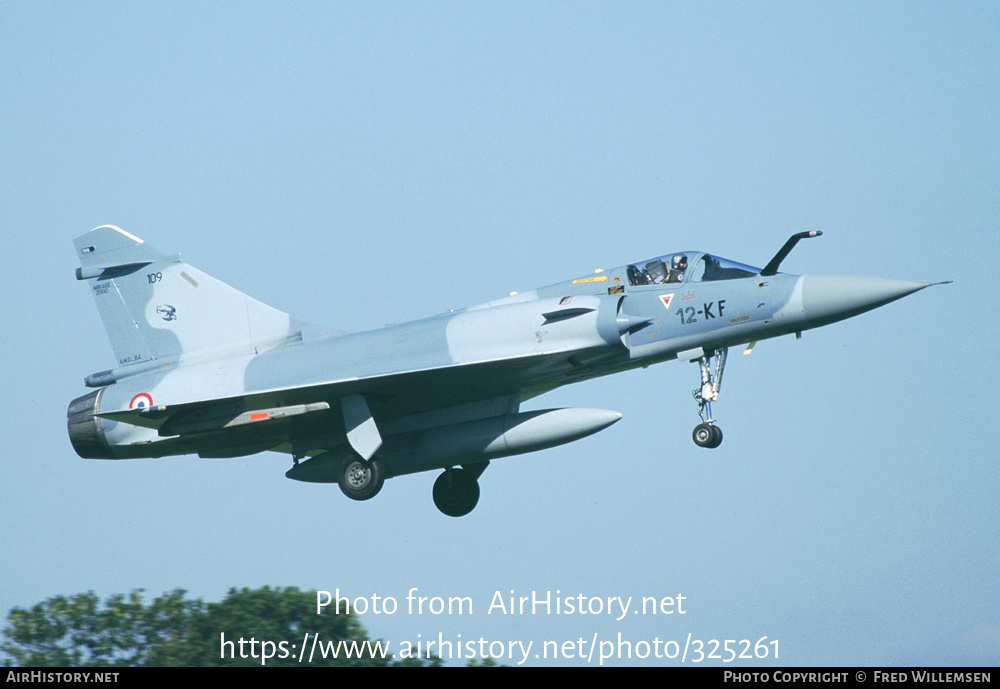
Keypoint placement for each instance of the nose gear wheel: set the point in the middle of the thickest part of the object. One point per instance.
(707, 435)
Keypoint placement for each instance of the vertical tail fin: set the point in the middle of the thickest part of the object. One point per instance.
(156, 307)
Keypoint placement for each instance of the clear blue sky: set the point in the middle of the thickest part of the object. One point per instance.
(358, 164)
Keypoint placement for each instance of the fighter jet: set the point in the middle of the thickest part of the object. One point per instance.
(203, 368)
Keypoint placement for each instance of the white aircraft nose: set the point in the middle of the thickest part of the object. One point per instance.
(830, 298)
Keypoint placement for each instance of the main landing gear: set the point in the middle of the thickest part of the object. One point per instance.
(456, 491)
(707, 434)
(360, 480)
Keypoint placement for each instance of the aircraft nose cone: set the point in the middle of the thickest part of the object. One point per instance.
(830, 298)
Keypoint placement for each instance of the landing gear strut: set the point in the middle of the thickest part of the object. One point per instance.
(707, 434)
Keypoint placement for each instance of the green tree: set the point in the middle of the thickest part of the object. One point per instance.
(175, 631)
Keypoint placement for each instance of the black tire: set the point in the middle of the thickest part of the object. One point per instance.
(717, 436)
(707, 435)
(360, 480)
(703, 435)
(456, 492)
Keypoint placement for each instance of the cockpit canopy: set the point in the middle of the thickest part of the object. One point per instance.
(687, 266)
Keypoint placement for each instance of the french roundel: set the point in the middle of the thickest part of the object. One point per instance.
(141, 401)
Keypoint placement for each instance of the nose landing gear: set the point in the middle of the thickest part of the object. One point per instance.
(707, 434)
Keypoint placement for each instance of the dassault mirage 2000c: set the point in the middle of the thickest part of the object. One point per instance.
(203, 368)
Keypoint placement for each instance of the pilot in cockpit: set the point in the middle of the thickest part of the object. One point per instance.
(678, 266)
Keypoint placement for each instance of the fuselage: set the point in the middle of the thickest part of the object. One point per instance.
(203, 368)
(524, 345)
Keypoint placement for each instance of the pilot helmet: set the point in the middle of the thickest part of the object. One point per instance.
(679, 262)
